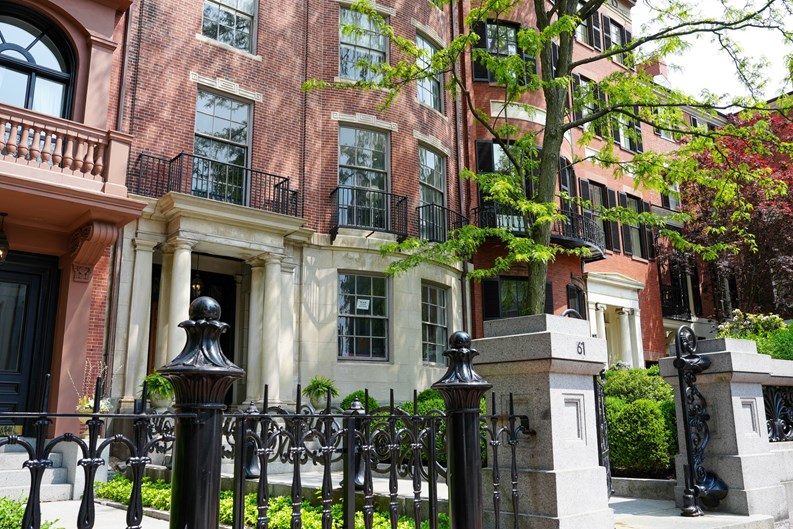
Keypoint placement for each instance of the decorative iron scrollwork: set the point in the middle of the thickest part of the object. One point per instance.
(779, 413)
(702, 486)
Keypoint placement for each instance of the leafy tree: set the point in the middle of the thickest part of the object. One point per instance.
(757, 222)
(613, 105)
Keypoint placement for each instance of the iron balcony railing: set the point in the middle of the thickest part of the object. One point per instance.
(674, 303)
(435, 222)
(203, 177)
(370, 209)
(575, 231)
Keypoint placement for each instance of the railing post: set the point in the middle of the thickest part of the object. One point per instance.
(462, 389)
(701, 485)
(352, 467)
(201, 375)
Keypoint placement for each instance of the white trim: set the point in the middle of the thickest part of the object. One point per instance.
(428, 33)
(224, 85)
(517, 111)
(225, 46)
(381, 9)
(364, 119)
(433, 142)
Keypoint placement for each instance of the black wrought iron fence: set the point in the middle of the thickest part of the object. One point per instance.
(398, 448)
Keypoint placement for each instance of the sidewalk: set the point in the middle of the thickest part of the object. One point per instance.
(629, 513)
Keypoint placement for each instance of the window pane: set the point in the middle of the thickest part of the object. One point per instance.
(48, 97)
(13, 87)
(46, 54)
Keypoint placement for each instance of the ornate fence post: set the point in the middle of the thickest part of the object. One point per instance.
(462, 389)
(201, 375)
(701, 485)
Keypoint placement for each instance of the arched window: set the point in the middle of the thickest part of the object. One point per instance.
(36, 63)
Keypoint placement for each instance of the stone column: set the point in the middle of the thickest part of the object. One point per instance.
(626, 355)
(738, 450)
(163, 306)
(180, 295)
(600, 320)
(271, 327)
(548, 362)
(254, 383)
(139, 317)
(286, 347)
(636, 338)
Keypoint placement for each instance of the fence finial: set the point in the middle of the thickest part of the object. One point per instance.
(462, 389)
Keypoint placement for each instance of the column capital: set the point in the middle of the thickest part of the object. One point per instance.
(288, 265)
(181, 244)
(624, 311)
(143, 245)
(273, 258)
(600, 307)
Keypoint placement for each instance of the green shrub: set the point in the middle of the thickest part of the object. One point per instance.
(360, 395)
(639, 440)
(748, 325)
(634, 384)
(279, 512)
(654, 417)
(12, 512)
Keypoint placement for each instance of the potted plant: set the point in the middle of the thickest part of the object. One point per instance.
(159, 389)
(317, 390)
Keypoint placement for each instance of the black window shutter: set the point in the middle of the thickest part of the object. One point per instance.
(491, 308)
(531, 67)
(637, 126)
(628, 55)
(606, 32)
(586, 197)
(572, 298)
(649, 235)
(578, 112)
(554, 57)
(484, 156)
(593, 28)
(615, 129)
(480, 71)
(665, 201)
(548, 297)
(614, 227)
(627, 245)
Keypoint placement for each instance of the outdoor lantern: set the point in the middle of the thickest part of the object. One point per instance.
(3, 239)
(196, 284)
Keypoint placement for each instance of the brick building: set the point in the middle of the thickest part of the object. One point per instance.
(63, 164)
(187, 128)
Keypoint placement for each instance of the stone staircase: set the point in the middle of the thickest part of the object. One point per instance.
(15, 479)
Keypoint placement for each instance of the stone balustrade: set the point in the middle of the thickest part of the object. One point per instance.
(61, 145)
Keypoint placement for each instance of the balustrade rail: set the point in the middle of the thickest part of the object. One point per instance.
(203, 177)
(54, 143)
(435, 222)
(356, 207)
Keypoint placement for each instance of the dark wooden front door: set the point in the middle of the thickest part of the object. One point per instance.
(28, 301)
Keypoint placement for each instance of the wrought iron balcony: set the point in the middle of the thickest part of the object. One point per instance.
(674, 303)
(435, 222)
(368, 209)
(203, 177)
(575, 231)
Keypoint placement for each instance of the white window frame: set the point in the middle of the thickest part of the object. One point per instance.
(434, 323)
(233, 7)
(355, 43)
(425, 85)
(357, 315)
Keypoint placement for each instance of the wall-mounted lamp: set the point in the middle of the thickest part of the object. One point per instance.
(3, 239)
(196, 284)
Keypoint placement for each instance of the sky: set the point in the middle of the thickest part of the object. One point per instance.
(703, 66)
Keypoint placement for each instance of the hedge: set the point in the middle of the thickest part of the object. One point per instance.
(640, 413)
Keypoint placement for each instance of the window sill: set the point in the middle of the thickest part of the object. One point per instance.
(351, 82)
(355, 360)
(639, 259)
(213, 42)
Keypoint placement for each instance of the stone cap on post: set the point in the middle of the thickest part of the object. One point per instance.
(730, 360)
(548, 343)
(201, 374)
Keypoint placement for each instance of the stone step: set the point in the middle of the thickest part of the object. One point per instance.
(15, 460)
(57, 492)
(21, 478)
